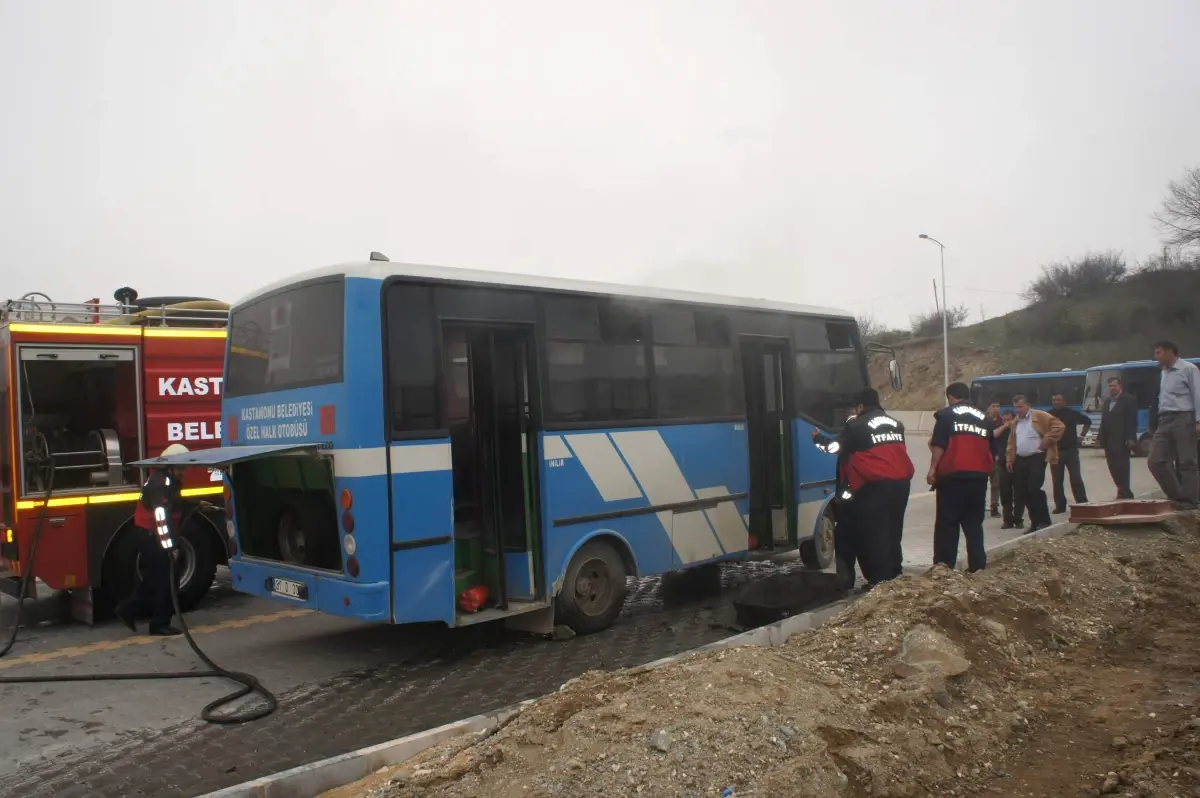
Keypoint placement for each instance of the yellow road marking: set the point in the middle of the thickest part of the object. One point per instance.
(141, 640)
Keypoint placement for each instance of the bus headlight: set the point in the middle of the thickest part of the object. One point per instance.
(350, 545)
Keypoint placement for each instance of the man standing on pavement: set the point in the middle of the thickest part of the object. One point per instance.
(1178, 425)
(994, 416)
(960, 468)
(874, 480)
(1000, 469)
(1068, 454)
(1032, 445)
(1118, 435)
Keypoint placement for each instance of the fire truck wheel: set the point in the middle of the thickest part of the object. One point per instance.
(196, 567)
(594, 589)
(197, 564)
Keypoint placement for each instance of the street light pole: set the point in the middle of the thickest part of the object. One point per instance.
(945, 316)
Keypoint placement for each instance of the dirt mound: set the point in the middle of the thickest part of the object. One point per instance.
(1066, 669)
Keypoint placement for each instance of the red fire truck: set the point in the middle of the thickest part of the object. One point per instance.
(85, 390)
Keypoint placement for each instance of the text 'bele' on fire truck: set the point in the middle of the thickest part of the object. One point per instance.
(85, 390)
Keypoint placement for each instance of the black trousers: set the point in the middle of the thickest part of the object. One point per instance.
(871, 531)
(961, 505)
(1068, 463)
(1002, 482)
(1029, 475)
(1118, 460)
(153, 595)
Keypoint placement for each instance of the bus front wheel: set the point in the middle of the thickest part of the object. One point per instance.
(817, 551)
(593, 590)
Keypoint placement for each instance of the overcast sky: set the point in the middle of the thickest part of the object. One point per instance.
(787, 149)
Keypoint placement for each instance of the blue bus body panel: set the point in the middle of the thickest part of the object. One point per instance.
(422, 536)
(605, 471)
(815, 479)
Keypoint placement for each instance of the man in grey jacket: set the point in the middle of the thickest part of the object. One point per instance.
(1174, 443)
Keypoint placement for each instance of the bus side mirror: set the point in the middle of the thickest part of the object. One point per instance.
(894, 373)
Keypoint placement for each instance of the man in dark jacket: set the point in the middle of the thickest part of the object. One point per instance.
(1068, 454)
(960, 467)
(1118, 435)
(1004, 476)
(998, 460)
(874, 481)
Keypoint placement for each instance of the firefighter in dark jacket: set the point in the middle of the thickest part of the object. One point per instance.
(960, 467)
(874, 481)
(153, 594)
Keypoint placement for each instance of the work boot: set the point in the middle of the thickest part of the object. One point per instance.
(125, 616)
(995, 511)
(165, 631)
(1058, 511)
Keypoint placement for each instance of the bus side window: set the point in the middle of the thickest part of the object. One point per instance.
(596, 360)
(412, 359)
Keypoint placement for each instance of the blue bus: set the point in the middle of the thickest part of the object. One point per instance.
(1038, 388)
(420, 444)
(1140, 379)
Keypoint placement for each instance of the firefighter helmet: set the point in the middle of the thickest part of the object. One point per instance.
(173, 449)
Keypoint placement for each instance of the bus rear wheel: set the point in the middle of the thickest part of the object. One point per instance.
(593, 590)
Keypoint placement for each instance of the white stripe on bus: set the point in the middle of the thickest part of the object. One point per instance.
(553, 448)
(726, 520)
(656, 471)
(417, 458)
(360, 462)
(604, 466)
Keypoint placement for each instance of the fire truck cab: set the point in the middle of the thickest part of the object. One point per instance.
(85, 390)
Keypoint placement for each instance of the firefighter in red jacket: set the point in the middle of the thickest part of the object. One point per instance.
(153, 594)
(874, 481)
(960, 468)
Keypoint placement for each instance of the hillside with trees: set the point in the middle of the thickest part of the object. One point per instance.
(1097, 308)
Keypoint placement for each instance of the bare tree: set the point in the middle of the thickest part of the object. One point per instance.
(1180, 214)
(1077, 277)
(869, 327)
(930, 323)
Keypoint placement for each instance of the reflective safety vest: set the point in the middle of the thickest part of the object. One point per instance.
(964, 433)
(160, 490)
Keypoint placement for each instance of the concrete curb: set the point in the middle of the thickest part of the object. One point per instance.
(310, 780)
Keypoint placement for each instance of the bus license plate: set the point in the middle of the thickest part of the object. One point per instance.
(286, 588)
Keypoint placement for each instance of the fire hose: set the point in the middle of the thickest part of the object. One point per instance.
(249, 684)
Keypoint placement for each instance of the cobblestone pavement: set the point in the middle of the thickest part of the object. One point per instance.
(450, 674)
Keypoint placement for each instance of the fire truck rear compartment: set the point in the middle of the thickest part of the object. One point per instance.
(79, 418)
(286, 511)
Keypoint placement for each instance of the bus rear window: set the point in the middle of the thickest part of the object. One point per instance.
(289, 339)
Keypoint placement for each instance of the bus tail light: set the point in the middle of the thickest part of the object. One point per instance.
(350, 545)
(352, 567)
(347, 499)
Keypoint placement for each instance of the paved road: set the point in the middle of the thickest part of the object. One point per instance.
(342, 685)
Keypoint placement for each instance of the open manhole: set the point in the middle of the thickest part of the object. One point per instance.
(780, 596)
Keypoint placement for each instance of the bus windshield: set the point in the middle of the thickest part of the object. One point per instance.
(288, 339)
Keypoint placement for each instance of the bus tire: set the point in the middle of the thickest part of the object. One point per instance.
(817, 552)
(196, 567)
(306, 531)
(593, 590)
